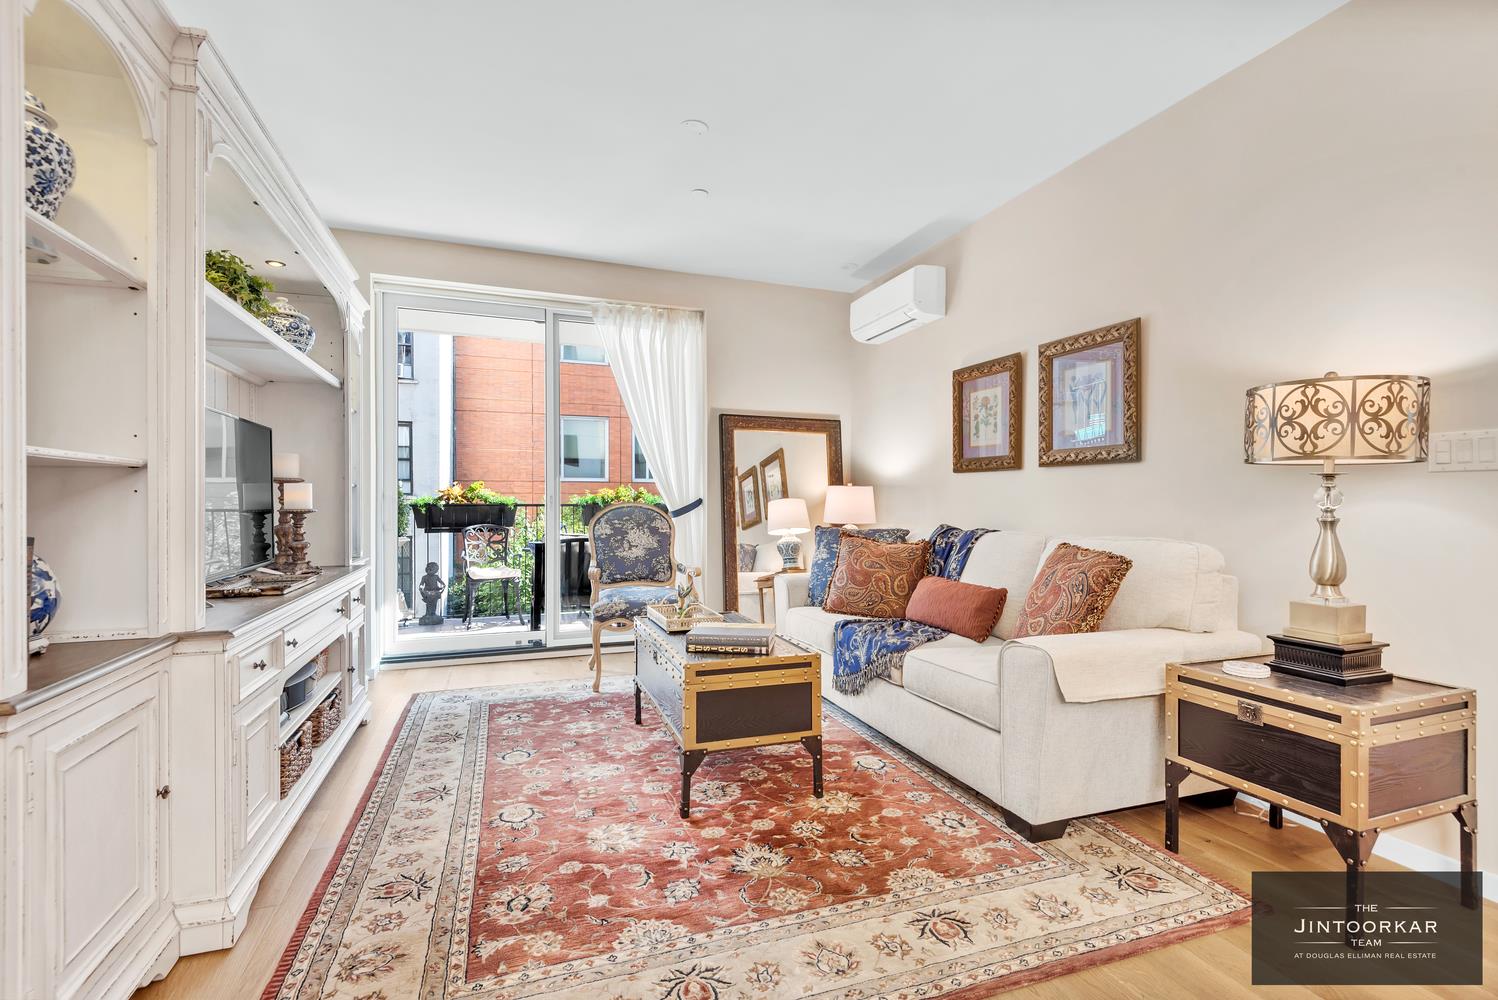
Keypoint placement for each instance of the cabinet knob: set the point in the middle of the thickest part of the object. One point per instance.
(358, 600)
(163, 791)
(292, 643)
(259, 665)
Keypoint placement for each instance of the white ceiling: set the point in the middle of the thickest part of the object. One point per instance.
(845, 135)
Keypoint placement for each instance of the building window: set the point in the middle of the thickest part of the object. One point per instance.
(585, 449)
(642, 473)
(403, 477)
(405, 356)
(585, 354)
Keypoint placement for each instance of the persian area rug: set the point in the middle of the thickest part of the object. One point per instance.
(524, 841)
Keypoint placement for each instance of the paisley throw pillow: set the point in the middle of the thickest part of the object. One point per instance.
(875, 579)
(1072, 591)
(824, 555)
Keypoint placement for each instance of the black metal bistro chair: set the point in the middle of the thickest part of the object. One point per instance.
(486, 557)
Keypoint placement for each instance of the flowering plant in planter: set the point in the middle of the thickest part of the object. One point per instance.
(589, 504)
(455, 507)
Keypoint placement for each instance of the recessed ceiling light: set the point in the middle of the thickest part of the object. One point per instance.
(695, 125)
(275, 263)
(700, 193)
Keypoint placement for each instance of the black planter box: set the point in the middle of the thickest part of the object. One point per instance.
(457, 516)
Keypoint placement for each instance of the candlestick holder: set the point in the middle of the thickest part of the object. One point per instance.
(284, 560)
(298, 562)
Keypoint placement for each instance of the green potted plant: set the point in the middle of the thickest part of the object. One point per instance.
(231, 275)
(589, 504)
(456, 507)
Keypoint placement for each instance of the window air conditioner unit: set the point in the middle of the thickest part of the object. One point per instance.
(901, 304)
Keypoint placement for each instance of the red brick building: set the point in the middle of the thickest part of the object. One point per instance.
(499, 421)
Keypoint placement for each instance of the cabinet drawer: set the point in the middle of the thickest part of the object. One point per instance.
(357, 602)
(259, 665)
(307, 628)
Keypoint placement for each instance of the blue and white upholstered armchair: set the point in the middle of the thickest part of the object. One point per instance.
(634, 564)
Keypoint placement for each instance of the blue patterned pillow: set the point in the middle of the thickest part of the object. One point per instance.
(747, 554)
(824, 557)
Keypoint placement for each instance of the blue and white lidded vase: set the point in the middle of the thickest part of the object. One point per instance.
(50, 167)
(44, 594)
(290, 325)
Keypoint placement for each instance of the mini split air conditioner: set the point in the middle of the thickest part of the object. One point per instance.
(900, 305)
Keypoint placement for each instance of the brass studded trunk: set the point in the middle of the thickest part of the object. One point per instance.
(720, 701)
(1364, 757)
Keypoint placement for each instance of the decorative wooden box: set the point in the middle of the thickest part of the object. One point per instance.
(722, 701)
(1364, 756)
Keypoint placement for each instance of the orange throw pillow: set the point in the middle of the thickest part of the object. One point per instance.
(1072, 591)
(875, 579)
(964, 608)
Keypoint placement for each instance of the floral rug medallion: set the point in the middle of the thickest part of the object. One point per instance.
(524, 841)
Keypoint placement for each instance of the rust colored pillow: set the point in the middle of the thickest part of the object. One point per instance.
(964, 608)
(1072, 591)
(875, 579)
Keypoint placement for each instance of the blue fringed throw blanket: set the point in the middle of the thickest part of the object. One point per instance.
(864, 648)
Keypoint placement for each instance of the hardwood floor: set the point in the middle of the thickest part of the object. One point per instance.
(1228, 843)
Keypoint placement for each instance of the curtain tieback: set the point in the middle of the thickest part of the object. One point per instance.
(688, 508)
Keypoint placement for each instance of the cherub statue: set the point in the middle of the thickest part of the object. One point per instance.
(431, 590)
(686, 589)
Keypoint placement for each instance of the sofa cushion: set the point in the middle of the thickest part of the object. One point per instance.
(875, 579)
(825, 545)
(1005, 560)
(959, 675)
(1072, 591)
(968, 609)
(1172, 584)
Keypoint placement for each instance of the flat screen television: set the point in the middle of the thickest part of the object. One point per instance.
(239, 495)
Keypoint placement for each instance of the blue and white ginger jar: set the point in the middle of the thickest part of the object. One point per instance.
(44, 593)
(291, 326)
(50, 167)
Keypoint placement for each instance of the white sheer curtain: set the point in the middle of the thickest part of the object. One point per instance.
(658, 357)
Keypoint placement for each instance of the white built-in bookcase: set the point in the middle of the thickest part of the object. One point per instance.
(109, 356)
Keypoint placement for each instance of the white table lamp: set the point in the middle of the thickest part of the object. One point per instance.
(787, 517)
(850, 506)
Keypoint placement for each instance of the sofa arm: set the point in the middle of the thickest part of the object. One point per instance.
(791, 590)
(1067, 756)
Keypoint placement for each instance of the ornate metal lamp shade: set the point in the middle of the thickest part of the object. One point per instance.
(1352, 419)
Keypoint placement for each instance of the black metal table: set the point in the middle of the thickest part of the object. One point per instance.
(575, 590)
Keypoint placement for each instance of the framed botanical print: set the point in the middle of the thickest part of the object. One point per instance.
(772, 474)
(986, 415)
(751, 511)
(1089, 397)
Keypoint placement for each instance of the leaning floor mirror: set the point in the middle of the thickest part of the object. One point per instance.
(774, 476)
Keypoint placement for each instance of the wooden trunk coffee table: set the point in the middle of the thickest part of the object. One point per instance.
(725, 701)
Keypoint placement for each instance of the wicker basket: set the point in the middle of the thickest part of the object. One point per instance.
(326, 718)
(296, 757)
(321, 663)
(664, 615)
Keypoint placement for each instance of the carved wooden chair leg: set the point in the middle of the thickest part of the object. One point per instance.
(597, 656)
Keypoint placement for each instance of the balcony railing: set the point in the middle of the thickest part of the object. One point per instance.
(416, 549)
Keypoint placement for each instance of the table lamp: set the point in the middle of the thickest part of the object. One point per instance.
(787, 518)
(849, 505)
(1352, 420)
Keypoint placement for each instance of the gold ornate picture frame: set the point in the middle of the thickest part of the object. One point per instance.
(987, 413)
(772, 477)
(751, 502)
(1090, 397)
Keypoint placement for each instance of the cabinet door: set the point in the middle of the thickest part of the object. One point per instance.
(358, 661)
(257, 775)
(103, 828)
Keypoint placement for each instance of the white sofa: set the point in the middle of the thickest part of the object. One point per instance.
(1051, 727)
(766, 560)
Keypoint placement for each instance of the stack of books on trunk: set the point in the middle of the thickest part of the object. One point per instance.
(731, 637)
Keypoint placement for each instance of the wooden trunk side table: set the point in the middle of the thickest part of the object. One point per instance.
(1359, 759)
(725, 701)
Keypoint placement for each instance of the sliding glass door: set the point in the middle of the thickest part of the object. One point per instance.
(511, 404)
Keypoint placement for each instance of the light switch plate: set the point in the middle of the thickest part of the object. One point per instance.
(1464, 451)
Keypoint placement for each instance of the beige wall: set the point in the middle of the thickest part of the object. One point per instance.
(1333, 204)
(770, 348)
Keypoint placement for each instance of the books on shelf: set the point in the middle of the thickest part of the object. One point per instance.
(731, 637)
